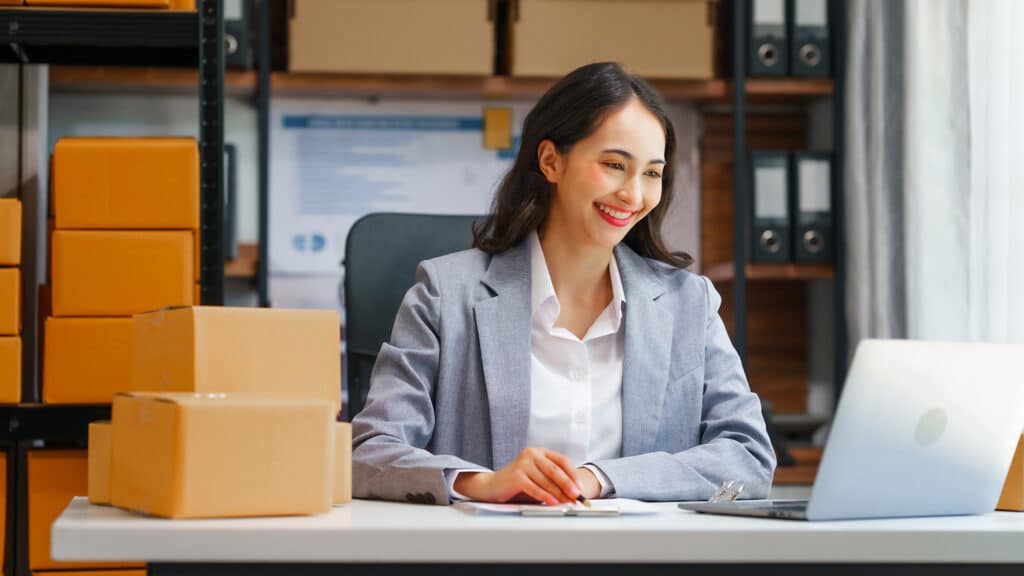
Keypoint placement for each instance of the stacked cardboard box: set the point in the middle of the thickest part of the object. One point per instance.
(124, 240)
(10, 301)
(131, 4)
(54, 478)
(220, 398)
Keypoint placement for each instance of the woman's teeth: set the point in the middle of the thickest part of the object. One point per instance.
(613, 213)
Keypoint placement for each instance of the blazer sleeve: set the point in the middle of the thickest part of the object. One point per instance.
(734, 442)
(389, 458)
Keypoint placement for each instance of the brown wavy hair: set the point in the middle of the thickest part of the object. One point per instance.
(569, 112)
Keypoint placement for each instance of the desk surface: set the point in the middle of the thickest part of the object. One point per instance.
(367, 531)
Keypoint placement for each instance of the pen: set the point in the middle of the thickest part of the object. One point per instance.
(583, 500)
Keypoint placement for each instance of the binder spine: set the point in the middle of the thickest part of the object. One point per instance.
(810, 53)
(767, 33)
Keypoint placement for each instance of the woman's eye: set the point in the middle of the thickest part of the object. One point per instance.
(615, 165)
(653, 174)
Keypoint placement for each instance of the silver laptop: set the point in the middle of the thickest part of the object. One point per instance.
(922, 429)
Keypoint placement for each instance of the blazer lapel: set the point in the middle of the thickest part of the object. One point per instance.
(503, 326)
(648, 346)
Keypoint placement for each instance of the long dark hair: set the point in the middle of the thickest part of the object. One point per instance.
(569, 112)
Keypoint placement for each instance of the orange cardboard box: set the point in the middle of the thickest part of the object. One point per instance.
(91, 573)
(10, 369)
(553, 37)
(99, 462)
(1012, 497)
(54, 478)
(3, 499)
(10, 301)
(86, 360)
(102, 3)
(392, 37)
(126, 183)
(342, 462)
(120, 273)
(223, 349)
(221, 455)
(10, 232)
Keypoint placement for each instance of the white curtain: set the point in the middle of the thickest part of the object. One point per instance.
(995, 49)
(964, 169)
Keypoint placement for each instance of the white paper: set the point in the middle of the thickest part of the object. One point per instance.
(770, 12)
(815, 185)
(770, 184)
(811, 13)
(617, 506)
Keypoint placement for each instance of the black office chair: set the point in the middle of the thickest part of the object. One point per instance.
(381, 255)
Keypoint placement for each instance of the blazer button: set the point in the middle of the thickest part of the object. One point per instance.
(410, 497)
(428, 498)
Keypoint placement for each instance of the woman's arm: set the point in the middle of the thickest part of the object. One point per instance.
(390, 435)
(734, 444)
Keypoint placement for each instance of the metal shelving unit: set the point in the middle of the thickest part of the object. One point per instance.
(741, 269)
(102, 37)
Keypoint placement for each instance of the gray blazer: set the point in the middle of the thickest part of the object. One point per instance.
(452, 387)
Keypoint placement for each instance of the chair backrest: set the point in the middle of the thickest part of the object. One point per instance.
(381, 255)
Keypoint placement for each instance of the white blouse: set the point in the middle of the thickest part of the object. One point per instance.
(575, 385)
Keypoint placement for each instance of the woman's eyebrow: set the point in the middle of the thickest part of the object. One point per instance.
(630, 156)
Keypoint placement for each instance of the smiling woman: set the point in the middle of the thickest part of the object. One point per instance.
(569, 354)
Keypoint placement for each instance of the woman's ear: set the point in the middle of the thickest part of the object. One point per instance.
(549, 160)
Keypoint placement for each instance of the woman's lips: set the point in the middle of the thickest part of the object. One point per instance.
(613, 217)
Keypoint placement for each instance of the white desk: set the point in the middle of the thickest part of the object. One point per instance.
(368, 531)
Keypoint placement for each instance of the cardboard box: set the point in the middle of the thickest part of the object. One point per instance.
(1012, 497)
(126, 183)
(342, 462)
(54, 478)
(86, 360)
(222, 349)
(99, 462)
(10, 232)
(102, 3)
(221, 455)
(3, 500)
(654, 38)
(120, 273)
(391, 37)
(10, 369)
(10, 301)
(93, 573)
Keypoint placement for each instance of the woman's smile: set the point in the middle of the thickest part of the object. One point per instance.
(613, 216)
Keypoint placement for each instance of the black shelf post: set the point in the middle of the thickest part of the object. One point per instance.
(838, 33)
(211, 150)
(263, 112)
(739, 178)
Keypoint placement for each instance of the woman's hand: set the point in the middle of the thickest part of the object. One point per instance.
(590, 487)
(536, 473)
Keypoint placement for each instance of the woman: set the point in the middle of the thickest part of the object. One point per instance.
(569, 353)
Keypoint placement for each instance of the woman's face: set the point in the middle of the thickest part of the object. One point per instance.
(608, 181)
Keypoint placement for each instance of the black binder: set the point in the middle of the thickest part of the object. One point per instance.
(810, 53)
(770, 206)
(812, 177)
(767, 46)
(238, 34)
